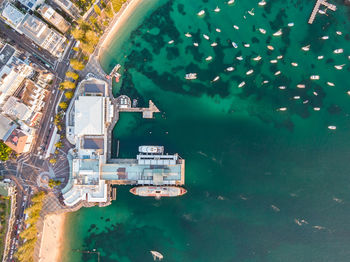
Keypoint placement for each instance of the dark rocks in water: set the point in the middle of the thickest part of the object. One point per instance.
(334, 109)
(108, 219)
(312, 66)
(329, 60)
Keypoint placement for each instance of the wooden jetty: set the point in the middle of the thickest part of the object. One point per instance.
(317, 8)
(147, 112)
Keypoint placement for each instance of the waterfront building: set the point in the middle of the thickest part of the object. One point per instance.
(69, 8)
(54, 18)
(34, 29)
(90, 120)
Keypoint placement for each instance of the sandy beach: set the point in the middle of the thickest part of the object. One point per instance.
(119, 20)
(52, 238)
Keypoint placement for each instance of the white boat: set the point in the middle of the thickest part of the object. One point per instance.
(332, 127)
(339, 67)
(234, 45)
(151, 149)
(315, 77)
(306, 48)
(188, 35)
(280, 57)
(251, 71)
(282, 109)
(300, 86)
(321, 12)
(294, 64)
(171, 42)
(217, 9)
(265, 82)
(195, 44)
(191, 76)
(156, 255)
(348, 92)
(246, 45)
(214, 44)
(273, 61)
(216, 78)
(218, 30)
(257, 58)
(263, 31)
(278, 33)
(230, 69)
(251, 12)
(315, 93)
(291, 24)
(206, 37)
(306, 101)
(230, 2)
(201, 12)
(277, 73)
(317, 109)
(296, 97)
(339, 33)
(330, 84)
(262, 3)
(320, 57)
(338, 51)
(282, 87)
(209, 58)
(270, 47)
(325, 37)
(235, 27)
(241, 84)
(240, 58)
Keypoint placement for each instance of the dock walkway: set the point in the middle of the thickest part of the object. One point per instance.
(317, 8)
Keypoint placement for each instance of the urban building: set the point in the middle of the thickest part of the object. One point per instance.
(31, 4)
(6, 127)
(7, 188)
(69, 8)
(54, 18)
(34, 29)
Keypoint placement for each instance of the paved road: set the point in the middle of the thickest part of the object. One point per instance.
(26, 44)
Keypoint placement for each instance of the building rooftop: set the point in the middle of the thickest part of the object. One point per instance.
(93, 142)
(31, 4)
(89, 115)
(17, 141)
(13, 15)
(15, 109)
(95, 88)
(35, 29)
(6, 127)
(5, 55)
(50, 15)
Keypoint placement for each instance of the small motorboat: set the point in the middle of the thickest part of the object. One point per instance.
(234, 45)
(251, 71)
(277, 73)
(339, 67)
(321, 12)
(291, 24)
(171, 42)
(262, 3)
(188, 35)
(230, 69)
(214, 44)
(218, 30)
(240, 58)
(241, 84)
(306, 48)
(209, 58)
(270, 47)
(325, 37)
(315, 93)
(296, 97)
(339, 33)
(216, 79)
(206, 37)
(236, 27)
(280, 57)
(273, 61)
(257, 58)
(251, 12)
(332, 127)
(300, 86)
(263, 31)
(246, 45)
(315, 77)
(317, 109)
(278, 33)
(217, 9)
(191, 76)
(282, 87)
(195, 44)
(294, 64)
(230, 2)
(330, 84)
(338, 51)
(320, 57)
(265, 82)
(201, 12)
(282, 109)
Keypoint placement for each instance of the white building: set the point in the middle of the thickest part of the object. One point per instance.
(31, 4)
(34, 29)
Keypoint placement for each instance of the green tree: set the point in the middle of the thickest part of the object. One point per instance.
(5, 151)
(97, 9)
(76, 64)
(78, 34)
(63, 105)
(67, 85)
(69, 94)
(72, 75)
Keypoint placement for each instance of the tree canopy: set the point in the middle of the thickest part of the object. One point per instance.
(5, 151)
(76, 64)
(63, 105)
(72, 75)
(67, 85)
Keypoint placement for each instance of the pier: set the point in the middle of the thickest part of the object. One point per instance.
(317, 6)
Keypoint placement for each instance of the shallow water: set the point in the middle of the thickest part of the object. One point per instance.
(263, 185)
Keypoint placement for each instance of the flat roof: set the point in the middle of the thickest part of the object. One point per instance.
(93, 142)
(5, 54)
(12, 14)
(35, 29)
(89, 115)
(6, 127)
(95, 88)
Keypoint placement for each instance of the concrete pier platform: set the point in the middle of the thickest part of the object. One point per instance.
(317, 6)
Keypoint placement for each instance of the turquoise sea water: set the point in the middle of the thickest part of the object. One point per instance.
(263, 184)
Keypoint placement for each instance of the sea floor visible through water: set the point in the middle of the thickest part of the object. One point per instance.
(267, 179)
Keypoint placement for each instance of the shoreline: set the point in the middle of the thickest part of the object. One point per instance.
(52, 241)
(118, 21)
